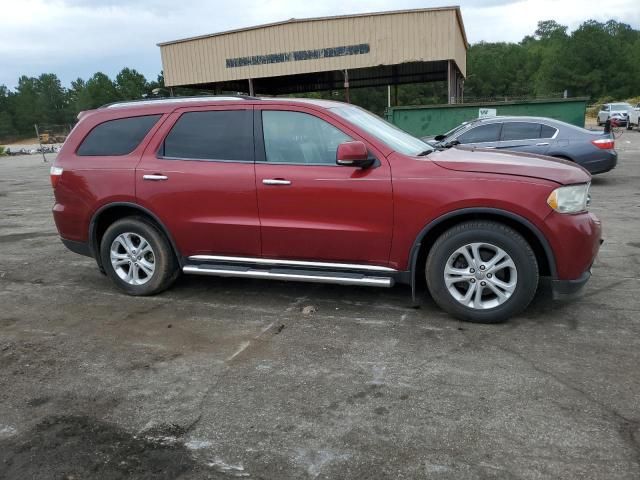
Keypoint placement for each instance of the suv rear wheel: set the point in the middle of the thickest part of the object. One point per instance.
(482, 272)
(137, 257)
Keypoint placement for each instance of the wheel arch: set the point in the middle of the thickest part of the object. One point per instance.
(562, 156)
(430, 233)
(109, 213)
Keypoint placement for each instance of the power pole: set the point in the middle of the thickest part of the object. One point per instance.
(44, 159)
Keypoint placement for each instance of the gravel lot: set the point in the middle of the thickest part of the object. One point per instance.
(230, 378)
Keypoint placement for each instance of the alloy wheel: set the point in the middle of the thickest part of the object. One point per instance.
(132, 258)
(480, 276)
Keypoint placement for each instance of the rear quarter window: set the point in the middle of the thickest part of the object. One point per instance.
(117, 137)
(547, 131)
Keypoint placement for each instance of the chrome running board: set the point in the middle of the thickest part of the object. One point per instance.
(289, 263)
(340, 278)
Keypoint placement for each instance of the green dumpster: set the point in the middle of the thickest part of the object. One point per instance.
(427, 120)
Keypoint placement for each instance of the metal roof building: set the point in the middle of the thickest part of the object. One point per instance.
(385, 48)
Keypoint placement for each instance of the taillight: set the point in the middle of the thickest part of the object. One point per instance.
(605, 143)
(55, 174)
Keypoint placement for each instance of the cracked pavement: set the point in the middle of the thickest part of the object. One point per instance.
(234, 378)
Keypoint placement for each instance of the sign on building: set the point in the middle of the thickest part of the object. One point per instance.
(487, 112)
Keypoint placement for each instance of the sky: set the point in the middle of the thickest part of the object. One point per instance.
(76, 38)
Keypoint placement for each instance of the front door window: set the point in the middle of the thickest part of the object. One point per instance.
(300, 138)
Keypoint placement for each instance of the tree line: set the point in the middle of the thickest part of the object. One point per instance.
(44, 100)
(597, 60)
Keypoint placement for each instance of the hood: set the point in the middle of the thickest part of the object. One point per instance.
(483, 160)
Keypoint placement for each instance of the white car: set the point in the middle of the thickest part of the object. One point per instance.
(614, 110)
(633, 119)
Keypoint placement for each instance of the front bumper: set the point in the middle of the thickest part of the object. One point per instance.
(561, 288)
(575, 241)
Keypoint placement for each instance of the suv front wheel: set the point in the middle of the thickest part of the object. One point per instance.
(137, 257)
(482, 271)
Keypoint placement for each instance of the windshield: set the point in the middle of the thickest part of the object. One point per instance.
(620, 106)
(397, 139)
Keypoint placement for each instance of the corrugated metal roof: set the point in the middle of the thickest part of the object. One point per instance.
(380, 48)
(318, 19)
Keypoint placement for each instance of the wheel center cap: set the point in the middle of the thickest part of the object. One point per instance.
(480, 275)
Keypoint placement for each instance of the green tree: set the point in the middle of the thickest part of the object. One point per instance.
(549, 30)
(98, 90)
(24, 104)
(51, 104)
(131, 84)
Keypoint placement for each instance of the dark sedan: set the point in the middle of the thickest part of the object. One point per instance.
(591, 149)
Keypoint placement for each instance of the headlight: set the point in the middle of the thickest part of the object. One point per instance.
(570, 199)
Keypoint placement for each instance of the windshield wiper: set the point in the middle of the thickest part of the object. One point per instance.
(425, 153)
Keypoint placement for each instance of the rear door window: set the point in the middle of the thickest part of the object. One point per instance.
(483, 133)
(211, 135)
(117, 137)
(520, 131)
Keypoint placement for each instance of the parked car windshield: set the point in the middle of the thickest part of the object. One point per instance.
(397, 139)
(620, 106)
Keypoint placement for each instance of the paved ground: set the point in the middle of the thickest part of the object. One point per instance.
(226, 378)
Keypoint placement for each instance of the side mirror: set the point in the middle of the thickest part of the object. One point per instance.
(439, 138)
(353, 154)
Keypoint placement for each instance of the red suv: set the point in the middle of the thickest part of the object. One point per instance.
(317, 191)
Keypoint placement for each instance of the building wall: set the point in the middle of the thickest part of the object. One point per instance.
(419, 35)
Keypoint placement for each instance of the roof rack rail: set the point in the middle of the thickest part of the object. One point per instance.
(195, 98)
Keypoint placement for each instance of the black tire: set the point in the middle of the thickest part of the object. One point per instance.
(166, 266)
(495, 234)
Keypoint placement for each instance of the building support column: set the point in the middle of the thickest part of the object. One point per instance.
(450, 83)
(251, 91)
(346, 86)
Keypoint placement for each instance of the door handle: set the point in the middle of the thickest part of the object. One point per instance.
(155, 177)
(542, 144)
(276, 181)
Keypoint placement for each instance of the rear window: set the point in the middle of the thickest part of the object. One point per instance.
(212, 135)
(117, 137)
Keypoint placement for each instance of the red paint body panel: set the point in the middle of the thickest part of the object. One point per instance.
(328, 213)
(208, 206)
(575, 240)
(88, 182)
(424, 191)
(483, 160)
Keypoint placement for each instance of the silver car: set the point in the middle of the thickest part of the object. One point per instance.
(544, 136)
(619, 111)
